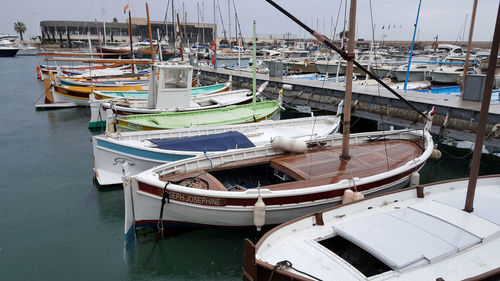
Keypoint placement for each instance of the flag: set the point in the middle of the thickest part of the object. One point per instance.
(125, 8)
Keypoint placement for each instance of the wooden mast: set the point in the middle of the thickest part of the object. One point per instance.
(348, 83)
(130, 35)
(469, 44)
(483, 117)
(150, 36)
(180, 37)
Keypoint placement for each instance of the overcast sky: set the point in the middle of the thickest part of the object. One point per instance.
(445, 18)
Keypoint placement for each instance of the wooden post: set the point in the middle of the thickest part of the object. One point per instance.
(131, 44)
(483, 117)
(150, 36)
(348, 83)
(180, 37)
(469, 44)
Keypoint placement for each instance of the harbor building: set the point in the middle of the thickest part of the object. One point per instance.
(74, 33)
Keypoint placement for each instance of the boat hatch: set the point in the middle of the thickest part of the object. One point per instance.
(251, 177)
(363, 261)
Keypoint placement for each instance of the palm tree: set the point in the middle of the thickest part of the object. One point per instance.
(20, 28)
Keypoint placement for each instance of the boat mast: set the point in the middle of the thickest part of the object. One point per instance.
(483, 117)
(348, 83)
(131, 45)
(254, 69)
(469, 43)
(150, 37)
(180, 37)
(229, 20)
(174, 38)
(412, 44)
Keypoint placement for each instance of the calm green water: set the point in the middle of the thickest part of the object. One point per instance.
(56, 225)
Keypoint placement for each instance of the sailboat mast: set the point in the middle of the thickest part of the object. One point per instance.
(348, 83)
(229, 20)
(254, 63)
(130, 35)
(150, 36)
(483, 117)
(412, 44)
(180, 37)
(469, 44)
(174, 38)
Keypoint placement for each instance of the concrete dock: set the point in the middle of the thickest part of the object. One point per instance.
(455, 118)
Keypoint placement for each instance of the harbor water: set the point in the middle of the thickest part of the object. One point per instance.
(57, 225)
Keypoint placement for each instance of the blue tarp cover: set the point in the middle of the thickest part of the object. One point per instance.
(214, 142)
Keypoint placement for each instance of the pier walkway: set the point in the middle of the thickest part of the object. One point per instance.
(454, 117)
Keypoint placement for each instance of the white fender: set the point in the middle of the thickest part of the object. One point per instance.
(289, 144)
(414, 179)
(259, 213)
(348, 196)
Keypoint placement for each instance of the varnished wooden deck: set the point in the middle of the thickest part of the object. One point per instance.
(323, 165)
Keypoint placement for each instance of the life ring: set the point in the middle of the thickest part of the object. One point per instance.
(213, 45)
(434, 45)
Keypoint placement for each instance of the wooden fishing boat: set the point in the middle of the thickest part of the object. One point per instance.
(419, 233)
(234, 114)
(143, 95)
(145, 150)
(170, 92)
(106, 82)
(443, 231)
(80, 95)
(222, 189)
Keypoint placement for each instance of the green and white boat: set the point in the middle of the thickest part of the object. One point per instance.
(236, 114)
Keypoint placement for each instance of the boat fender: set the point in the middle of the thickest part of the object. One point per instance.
(436, 154)
(38, 73)
(414, 179)
(348, 196)
(259, 213)
(288, 144)
(356, 196)
(110, 121)
(287, 87)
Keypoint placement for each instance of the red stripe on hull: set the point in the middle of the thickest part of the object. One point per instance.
(286, 199)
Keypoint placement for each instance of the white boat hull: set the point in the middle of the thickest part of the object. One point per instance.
(236, 208)
(111, 153)
(413, 76)
(445, 77)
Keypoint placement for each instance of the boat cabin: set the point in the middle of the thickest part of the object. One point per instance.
(172, 86)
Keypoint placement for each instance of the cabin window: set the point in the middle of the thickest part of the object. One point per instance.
(175, 78)
(250, 177)
(363, 261)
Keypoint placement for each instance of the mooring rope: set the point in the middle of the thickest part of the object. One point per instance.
(285, 264)
(164, 196)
